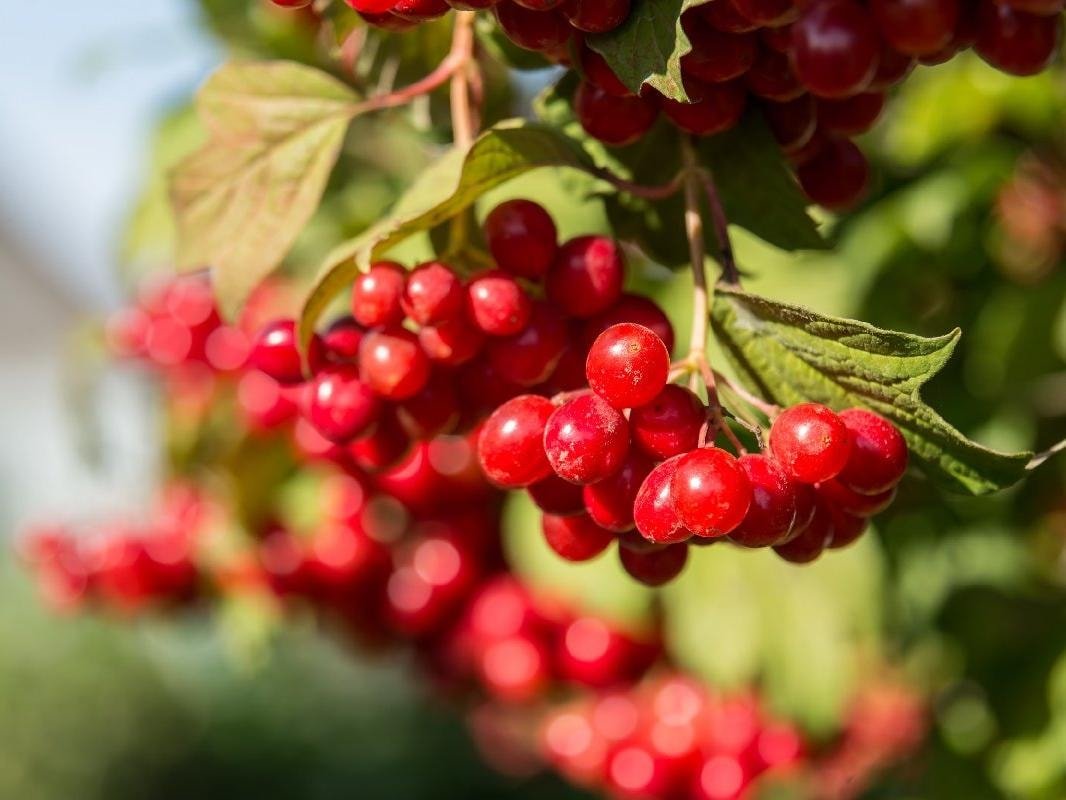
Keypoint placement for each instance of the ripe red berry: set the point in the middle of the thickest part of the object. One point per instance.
(613, 120)
(420, 10)
(575, 537)
(340, 405)
(653, 509)
(610, 502)
(372, 6)
(810, 541)
(553, 495)
(276, 352)
(387, 21)
(767, 13)
(452, 342)
(810, 442)
(716, 56)
(432, 294)
(878, 456)
(591, 653)
(433, 411)
(772, 78)
(851, 116)
(595, 68)
(530, 356)
(916, 27)
(842, 498)
(511, 442)
(586, 440)
(627, 365)
(543, 31)
(835, 47)
(587, 276)
(656, 566)
(725, 17)
(383, 447)
(836, 176)
(596, 16)
(792, 123)
(711, 492)
(392, 363)
(521, 236)
(342, 339)
(715, 107)
(376, 295)
(1014, 41)
(670, 424)
(847, 528)
(497, 304)
(773, 503)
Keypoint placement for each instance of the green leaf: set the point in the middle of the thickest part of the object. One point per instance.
(240, 201)
(647, 49)
(452, 184)
(791, 355)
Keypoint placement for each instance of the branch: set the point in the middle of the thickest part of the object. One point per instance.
(1040, 458)
(730, 273)
(464, 122)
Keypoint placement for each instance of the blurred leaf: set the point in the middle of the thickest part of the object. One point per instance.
(791, 355)
(648, 47)
(452, 184)
(276, 129)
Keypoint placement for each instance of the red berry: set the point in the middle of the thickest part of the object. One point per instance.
(613, 120)
(892, 67)
(383, 447)
(595, 68)
(725, 17)
(433, 411)
(511, 442)
(530, 356)
(715, 107)
(521, 237)
(452, 342)
(482, 388)
(553, 495)
(771, 77)
(835, 47)
(544, 31)
(515, 669)
(376, 295)
(498, 305)
(711, 492)
(387, 21)
(372, 6)
(432, 294)
(342, 339)
(878, 456)
(842, 498)
(851, 116)
(657, 566)
(670, 424)
(773, 503)
(810, 442)
(596, 16)
(575, 537)
(653, 509)
(340, 405)
(716, 56)
(916, 27)
(793, 122)
(538, 5)
(627, 365)
(587, 276)
(420, 10)
(277, 353)
(631, 308)
(812, 540)
(392, 363)
(836, 176)
(766, 13)
(591, 653)
(586, 439)
(1014, 41)
(471, 5)
(610, 502)
(847, 528)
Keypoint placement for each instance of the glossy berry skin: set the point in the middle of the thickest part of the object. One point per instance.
(277, 353)
(586, 440)
(594, 68)
(711, 492)
(393, 364)
(432, 293)
(773, 503)
(341, 340)
(372, 6)
(847, 528)
(916, 27)
(835, 48)
(878, 457)
(387, 21)
(851, 502)
(716, 56)
(497, 305)
(340, 405)
(451, 343)
(1014, 41)
(851, 116)
(542, 31)
(610, 502)
(716, 107)
(383, 447)
(631, 308)
(576, 537)
(766, 13)
(596, 16)
(653, 509)
(792, 123)
(420, 10)
(433, 411)
(522, 238)
(656, 566)
(376, 295)
(812, 540)
(811, 442)
(510, 444)
(614, 120)
(771, 77)
(587, 276)
(530, 356)
(627, 365)
(669, 424)
(837, 175)
(553, 495)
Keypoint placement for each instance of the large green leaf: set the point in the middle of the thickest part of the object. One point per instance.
(647, 49)
(240, 201)
(452, 184)
(789, 355)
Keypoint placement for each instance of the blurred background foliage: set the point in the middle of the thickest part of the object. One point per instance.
(965, 597)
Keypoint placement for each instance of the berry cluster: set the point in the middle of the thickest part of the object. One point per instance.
(818, 70)
(599, 473)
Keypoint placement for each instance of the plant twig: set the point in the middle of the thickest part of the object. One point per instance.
(661, 192)
(464, 122)
(769, 409)
(730, 273)
(1040, 458)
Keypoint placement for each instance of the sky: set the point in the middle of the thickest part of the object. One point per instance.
(79, 93)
